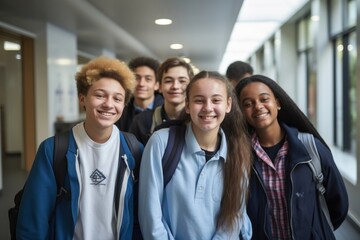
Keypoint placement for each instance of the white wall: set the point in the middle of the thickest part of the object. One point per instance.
(62, 62)
(53, 45)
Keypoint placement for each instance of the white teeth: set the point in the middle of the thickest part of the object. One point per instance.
(261, 115)
(207, 117)
(106, 114)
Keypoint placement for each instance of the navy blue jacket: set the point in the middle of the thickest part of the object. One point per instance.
(306, 218)
(129, 113)
(39, 199)
(142, 123)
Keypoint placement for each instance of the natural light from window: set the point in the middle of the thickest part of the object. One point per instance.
(257, 21)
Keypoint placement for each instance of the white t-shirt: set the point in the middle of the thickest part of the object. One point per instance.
(96, 169)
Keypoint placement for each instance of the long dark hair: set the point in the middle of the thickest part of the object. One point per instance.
(238, 162)
(290, 113)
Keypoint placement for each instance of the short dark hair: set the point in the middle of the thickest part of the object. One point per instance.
(237, 70)
(171, 63)
(144, 61)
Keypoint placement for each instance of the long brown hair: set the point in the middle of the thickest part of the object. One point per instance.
(238, 162)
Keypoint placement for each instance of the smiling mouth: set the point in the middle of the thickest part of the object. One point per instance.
(107, 114)
(261, 115)
(207, 117)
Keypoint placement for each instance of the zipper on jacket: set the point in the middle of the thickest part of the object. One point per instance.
(291, 198)
(267, 199)
(125, 181)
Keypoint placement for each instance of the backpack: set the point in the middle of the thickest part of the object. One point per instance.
(60, 147)
(170, 161)
(173, 151)
(315, 165)
(61, 142)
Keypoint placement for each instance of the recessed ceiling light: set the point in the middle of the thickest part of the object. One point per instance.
(176, 46)
(163, 21)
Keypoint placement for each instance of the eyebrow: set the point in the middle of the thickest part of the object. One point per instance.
(261, 94)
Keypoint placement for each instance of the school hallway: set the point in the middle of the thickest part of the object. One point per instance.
(14, 178)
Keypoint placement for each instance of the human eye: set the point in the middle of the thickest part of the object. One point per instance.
(198, 100)
(168, 80)
(265, 99)
(99, 95)
(137, 77)
(119, 99)
(247, 104)
(184, 81)
(217, 100)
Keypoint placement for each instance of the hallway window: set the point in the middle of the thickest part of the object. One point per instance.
(345, 92)
(307, 68)
(345, 60)
(351, 13)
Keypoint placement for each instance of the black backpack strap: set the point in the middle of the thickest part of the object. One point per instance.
(173, 150)
(136, 150)
(61, 143)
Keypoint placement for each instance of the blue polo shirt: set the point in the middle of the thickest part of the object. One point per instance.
(189, 205)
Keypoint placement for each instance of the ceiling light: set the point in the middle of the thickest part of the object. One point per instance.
(11, 46)
(176, 46)
(163, 21)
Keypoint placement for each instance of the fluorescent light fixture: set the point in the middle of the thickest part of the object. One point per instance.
(258, 20)
(11, 46)
(163, 21)
(176, 46)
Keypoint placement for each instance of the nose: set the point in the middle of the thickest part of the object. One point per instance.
(141, 81)
(207, 106)
(176, 84)
(258, 105)
(108, 102)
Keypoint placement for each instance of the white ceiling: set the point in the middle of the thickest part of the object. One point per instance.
(258, 20)
(214, 33)
(127, 27)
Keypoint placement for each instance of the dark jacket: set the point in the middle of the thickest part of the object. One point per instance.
(129, 113)
(306, 218)
(141, 126)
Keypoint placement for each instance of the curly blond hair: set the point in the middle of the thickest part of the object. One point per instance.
(101, 67)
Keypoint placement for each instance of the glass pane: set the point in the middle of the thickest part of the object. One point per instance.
(352, 91)
(336, 16)
(339, 96)
(309, 42)
(351, 13)
(311, 88)
(301, 28)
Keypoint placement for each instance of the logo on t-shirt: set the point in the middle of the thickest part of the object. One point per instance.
(97, 177)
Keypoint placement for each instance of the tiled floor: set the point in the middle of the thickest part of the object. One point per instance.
(14, 178)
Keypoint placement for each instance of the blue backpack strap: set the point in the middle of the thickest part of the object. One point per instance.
(315, 165)
(136, 150)
(173, 150)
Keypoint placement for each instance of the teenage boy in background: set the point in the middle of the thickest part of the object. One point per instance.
(146, 94)
(174, 75)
